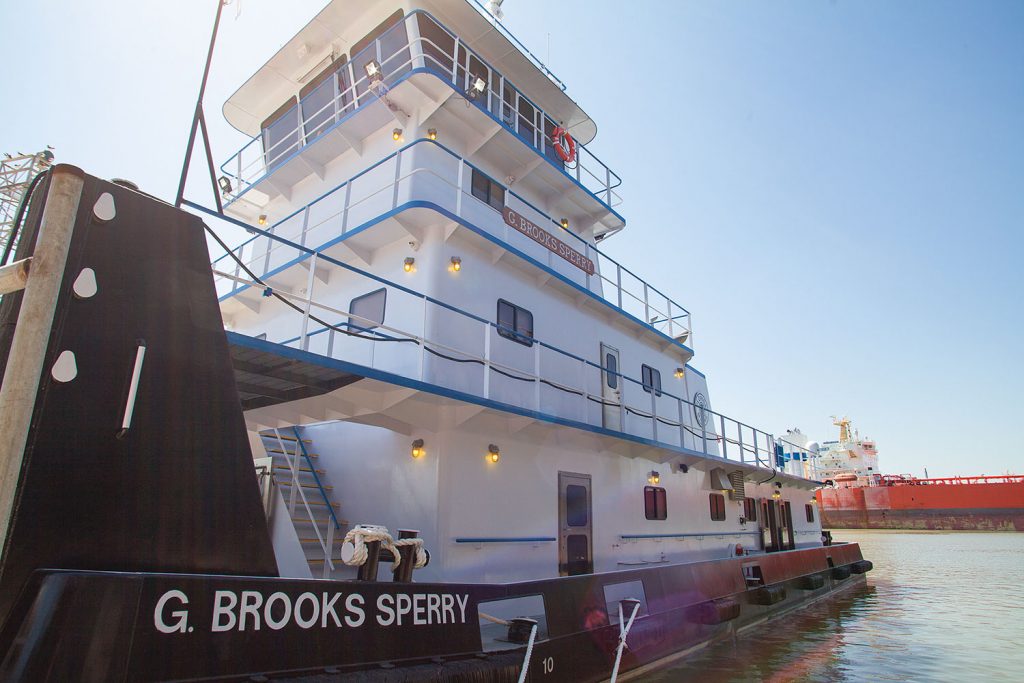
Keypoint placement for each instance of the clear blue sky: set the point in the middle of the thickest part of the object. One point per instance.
(842, 182)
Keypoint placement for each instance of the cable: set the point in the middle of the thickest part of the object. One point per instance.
(21, 213)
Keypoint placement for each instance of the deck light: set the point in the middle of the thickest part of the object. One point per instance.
(493, 454)
(410, 264)
(373, 70)
(225, 184)
(653, 477)
(565, 223)
(262, 220)
(396, 134)
(477, 89)
(417, 448)
(680, 373)
(456, 264)
(432, 133)
(776, 495)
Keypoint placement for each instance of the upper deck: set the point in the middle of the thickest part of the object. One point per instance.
(452, 74)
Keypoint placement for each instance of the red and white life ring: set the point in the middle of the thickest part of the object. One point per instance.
(565, 146)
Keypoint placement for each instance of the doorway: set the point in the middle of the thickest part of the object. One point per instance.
(575, 525)
(611, 389)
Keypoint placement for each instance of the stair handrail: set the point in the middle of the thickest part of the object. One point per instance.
(316, 478)
(296, 488)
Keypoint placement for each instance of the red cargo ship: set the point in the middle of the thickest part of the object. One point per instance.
(859, 498)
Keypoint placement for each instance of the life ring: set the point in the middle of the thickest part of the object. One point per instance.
(565, 146)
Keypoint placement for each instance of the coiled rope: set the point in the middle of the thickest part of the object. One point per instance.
(368, 533)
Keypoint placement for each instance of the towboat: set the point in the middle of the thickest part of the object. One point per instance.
(418, 426)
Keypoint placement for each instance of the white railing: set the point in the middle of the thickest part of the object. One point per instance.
(439, 175)
(255, 160)
(468, 355)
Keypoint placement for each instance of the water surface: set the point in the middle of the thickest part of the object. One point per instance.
(938, 607)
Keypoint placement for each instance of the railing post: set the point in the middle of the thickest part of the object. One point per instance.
(647, 305)
(671, 319)
(344, 211)
(725, 443)
(682, 426)
(487, 360)
(305, 225)
(458, 190)
(618, 282)
(309, 301)
(607, 186)
(757, 452)
(423, 343)
(536, 375)
(739, 432)
(654, 410)
(398, 175)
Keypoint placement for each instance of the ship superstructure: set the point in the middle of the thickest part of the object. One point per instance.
(435, 223)
(849, 460)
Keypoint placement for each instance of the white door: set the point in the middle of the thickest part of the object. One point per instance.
(611, 388)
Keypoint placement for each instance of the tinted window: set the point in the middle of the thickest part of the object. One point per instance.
(809, 509)
(717, 507)
(369, 308)
(281, 134)
(365, 51)
(515, 323)
(576, 513)
(438, 45)
(651, 379)
(750, 509)
(654, 503)
(487, 191)
(611, 365)
(319, 100)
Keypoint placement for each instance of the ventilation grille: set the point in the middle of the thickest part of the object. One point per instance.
(736, 479)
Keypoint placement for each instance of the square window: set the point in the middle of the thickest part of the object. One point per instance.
(487, 191)
(515, 323)
(654, 503)
(369, 308)
(717, 507)
(651, 379)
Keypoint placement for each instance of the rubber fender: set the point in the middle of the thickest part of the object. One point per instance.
(768, 595)
(714, 612)
(861, 566)
(810, 582)
(840, 573)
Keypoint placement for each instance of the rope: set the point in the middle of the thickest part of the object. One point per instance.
(370, 532)
(623, 632)
(493, 620)
(421, 554)
(529, 651)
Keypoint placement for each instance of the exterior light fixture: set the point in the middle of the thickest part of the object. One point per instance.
(417, 448)
(373, 70)
(396, 134)
(776, 495)
(456, 264)
(653, 477)
(493, 453)
(477, 89)
(680, 373)
(432, 133)
(565, 223)
(410, 264)
(262, 220)
(225, 184)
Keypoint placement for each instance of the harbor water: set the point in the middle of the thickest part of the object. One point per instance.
(938, 606)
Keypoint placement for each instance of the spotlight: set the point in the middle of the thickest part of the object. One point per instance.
(477, 89)
(680, 373)
(456, 264)
(493, 454)
(225, 184)
(565, 224)
(432, 133)
(410, 264)
(373, 70)
(653, 477)
(262, 220)
(417, 448)
(776, 494)
(396, 134)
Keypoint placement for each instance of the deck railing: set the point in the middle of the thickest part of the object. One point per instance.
(457, 65)
(364, 197)
(444, 346)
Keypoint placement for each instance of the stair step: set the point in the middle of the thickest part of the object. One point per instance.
(306, 520)
(304, 470)
(280, 452)
(305, 485)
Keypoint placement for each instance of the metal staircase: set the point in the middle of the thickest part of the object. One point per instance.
(308, 499)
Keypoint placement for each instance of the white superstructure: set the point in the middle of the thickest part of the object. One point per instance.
(497, 382)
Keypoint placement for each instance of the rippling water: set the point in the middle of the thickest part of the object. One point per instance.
(937, 607)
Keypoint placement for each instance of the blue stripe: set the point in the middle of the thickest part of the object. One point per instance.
(537, 539)
(705, 533)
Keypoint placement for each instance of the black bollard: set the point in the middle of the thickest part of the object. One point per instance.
(368, 570)
(403, 573)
